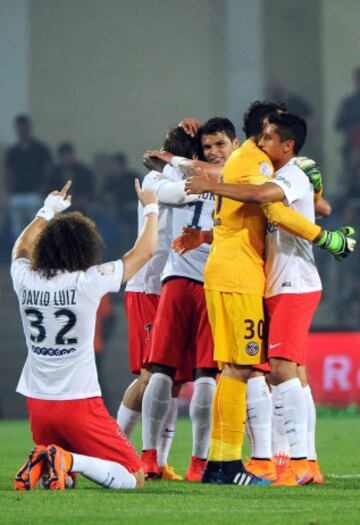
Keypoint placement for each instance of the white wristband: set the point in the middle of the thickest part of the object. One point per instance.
(151, 208)
(176, 161)
(46, 213)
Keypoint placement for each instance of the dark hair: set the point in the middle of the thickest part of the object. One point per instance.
(22, 119)
(290, 127)
(255, 114)
(179, 143)
(218, 125)
(70, 242)
(65, 147)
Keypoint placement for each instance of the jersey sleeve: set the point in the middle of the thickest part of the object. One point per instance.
(293, 182)
(20, 270)
(103, 278)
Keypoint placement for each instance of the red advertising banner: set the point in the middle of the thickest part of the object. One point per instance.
(334, 367)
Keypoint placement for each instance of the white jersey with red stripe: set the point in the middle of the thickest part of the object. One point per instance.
(290, 265)
(58, 317)
(197, 212)
(147, 280)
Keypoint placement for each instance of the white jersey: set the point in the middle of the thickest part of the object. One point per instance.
(290, 265)
(196, 213)
(147, 280)
(58, 317)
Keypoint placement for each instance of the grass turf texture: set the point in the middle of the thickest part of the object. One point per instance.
(335, 502)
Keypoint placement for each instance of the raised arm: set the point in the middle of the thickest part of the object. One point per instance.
(55, 202)
(146, 243)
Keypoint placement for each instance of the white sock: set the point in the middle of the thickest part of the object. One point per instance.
(259, 406)
(127, 419)
(311, 422)
(279, 439)
(200, 414)
(295, 416)
(155, 408)
(108, 474)
(167, 435)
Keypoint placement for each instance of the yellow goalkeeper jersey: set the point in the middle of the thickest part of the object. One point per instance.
(236, 260)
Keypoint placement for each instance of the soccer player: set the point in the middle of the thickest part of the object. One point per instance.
(59, 283)
(142, 298)
(293, 284)
(181, 326)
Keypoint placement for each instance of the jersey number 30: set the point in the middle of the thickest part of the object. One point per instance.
(36, 321)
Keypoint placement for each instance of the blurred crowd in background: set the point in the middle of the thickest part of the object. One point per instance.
(104, 191)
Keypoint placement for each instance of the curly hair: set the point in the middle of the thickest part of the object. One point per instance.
(70, 242)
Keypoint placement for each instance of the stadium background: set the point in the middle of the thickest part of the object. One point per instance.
(113, 75)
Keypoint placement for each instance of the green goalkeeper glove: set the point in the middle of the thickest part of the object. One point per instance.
(311, 170)
(340, 243)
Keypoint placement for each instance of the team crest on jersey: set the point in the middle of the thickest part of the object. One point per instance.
(252, 348)
(265, 169)
(106, 269)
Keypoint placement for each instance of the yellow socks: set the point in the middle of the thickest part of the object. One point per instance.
(232, 416)
(215, 451)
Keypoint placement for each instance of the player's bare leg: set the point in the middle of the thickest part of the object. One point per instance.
(200, 414)
(285, 377)
(129, 413)
(259, 408)
(311, 426)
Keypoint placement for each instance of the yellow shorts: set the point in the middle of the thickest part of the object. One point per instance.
(238, 327)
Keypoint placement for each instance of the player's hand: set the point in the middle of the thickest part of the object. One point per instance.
(312, 171)
(199, 183)
(190, 125)
(58, 201)
(189, 240)
(165, 156)
(145, 196)
(153, 163)
(340, 243)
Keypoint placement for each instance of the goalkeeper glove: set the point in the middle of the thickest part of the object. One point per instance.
(191, 239)
(340, 243)
(311, 170)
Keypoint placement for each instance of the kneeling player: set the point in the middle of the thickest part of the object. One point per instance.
(59, 285)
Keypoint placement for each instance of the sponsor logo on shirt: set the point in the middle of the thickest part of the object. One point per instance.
(282, 179)
(286, 284)
(252, 348)
(52, 352)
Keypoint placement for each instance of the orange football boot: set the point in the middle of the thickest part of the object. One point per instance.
(281, 461)
(318, 478)
(168, 473)
(262, 468)
(195, 469)
(30, 473)
(150, 465)
(296, 473)
(59, 464)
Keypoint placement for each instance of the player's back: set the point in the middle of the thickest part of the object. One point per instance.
(236, 261)
(58, 317)
(196, 212)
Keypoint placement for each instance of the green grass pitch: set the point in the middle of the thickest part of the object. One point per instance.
(338, 501)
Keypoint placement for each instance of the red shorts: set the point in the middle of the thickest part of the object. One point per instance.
(290, 317)
(140, 311)
(82, 426)
(182, 336)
